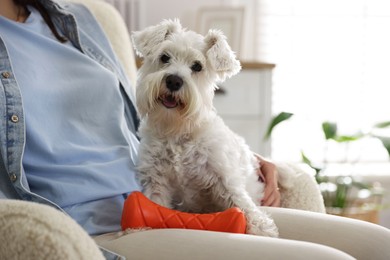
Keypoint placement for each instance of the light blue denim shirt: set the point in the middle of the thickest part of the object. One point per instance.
(81, 28)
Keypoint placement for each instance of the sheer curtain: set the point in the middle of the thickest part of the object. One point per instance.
(332, 64)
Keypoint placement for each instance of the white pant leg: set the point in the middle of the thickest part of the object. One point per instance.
(187, 244)
(362, 240)
(33, 230)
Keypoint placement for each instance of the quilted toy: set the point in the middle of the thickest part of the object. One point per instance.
(140, 212)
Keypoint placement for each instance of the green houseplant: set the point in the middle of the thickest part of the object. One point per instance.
(343, 195)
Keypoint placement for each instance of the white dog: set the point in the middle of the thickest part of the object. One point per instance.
(189, 159)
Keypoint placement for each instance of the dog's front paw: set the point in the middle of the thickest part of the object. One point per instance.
(261, 224)
(160, 200)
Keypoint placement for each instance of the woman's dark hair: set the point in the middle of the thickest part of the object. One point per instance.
(45, 15)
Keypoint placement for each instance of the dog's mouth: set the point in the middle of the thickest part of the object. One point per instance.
(169, 101)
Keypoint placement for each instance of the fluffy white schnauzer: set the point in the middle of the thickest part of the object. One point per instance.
(189, 159)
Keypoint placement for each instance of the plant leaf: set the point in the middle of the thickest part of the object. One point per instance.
(341, 196)
(330, 132)
(329, 129)
(382, 124)
(347, 138)
(282, 116)
(306, 160)
(385, 142)
(361, 185)
(344, 183)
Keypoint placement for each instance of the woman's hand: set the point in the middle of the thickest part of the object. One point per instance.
(268, 172)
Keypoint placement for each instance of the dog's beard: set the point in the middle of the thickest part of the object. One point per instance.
(170, 112)
(147, 91)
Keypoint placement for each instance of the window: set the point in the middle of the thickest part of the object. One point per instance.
(332, 64)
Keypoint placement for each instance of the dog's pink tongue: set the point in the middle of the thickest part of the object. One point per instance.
(169, 102)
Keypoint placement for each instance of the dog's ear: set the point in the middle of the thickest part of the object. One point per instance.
(147, 40)
(220, 55)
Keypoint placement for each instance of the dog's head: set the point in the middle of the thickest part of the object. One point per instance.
(176, 82)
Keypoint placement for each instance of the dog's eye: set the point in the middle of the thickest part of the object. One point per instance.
(196, 67)
(165, 58)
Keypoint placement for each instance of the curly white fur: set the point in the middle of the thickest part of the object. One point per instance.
(189, 159)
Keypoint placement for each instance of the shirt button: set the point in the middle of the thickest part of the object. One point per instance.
(6, 74)
(14, 118)
(13, 177)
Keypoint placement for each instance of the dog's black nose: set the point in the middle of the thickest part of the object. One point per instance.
(173, 82)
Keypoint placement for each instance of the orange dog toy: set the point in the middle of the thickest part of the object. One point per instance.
(139, 212)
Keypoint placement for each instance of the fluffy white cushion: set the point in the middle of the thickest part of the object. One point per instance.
(299, 190)
(34, 231)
